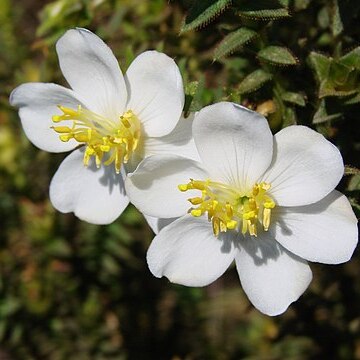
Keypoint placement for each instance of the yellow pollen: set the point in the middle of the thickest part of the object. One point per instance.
(228, 209)
(109, 142)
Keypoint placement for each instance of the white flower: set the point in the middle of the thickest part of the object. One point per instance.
(267, 202)
(118, 120)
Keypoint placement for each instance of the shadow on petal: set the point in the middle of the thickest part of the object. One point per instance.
(262, 248)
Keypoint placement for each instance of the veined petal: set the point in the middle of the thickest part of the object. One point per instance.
(305, 167)
(157, 224)
(153, 186)
(188, 253)
(323, 232)
(271, 277)
(234, 143)
(93, 72)
(156, 93)
(37, 103)
(179, 142)
(94, 195)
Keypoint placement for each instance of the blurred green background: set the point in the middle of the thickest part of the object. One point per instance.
(70, 290)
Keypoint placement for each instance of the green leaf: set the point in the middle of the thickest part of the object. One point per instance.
(322, 115)
(339, 73)
(327, 89)
(263, 10)
(337, 26)
(354, 183)
(354, 99)
(352, 58)
(254, 81)
(294, 98)
(321, 64)
(203, 12)
(277, 55)
(289, 117)
(234, 41)
(336, 77)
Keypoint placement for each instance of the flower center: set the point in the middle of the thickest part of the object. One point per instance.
(107, 141)
(227, 208)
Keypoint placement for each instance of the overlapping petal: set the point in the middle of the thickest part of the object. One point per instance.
(157, 224)
(37, 103)
(234, 143)
(180, 141)
(323, 232)
(93, 72)
(305, 167)
(188, 253)
(153, 186)
(271, 277)
(156, 93)
(94, 195)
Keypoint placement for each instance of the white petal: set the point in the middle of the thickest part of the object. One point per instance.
(234, 143)
(94, 195)
(153, 186)
(93, 72)
(37, 103)
(156, 93)
(271, 277)
(324, 232)
(305, 167)
(180, 141)
(157, 224)
(188, 253)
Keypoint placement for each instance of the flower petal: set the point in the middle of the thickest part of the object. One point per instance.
(271, 277)
(305, 167)
(180, 141)
(93, 72)
(153, 186)
(324, 232)
(188, 253)
(37, 103)
(94, 195)
(156, 93)
(157, 224)
(234, 143)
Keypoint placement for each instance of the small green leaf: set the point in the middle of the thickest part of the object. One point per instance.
(337, 26)
(263, 10)
(203, 12)
(352, 58)
(354, 99)
(322, 115)
(254, 81)
(234, 41)
(354, 183)
(293, 98)
(339, 73)
(289, 117)
(321, 65)
(277, 55)
(336, 77)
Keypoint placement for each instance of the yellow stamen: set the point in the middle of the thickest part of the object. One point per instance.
(229, 209)
(107, 141)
